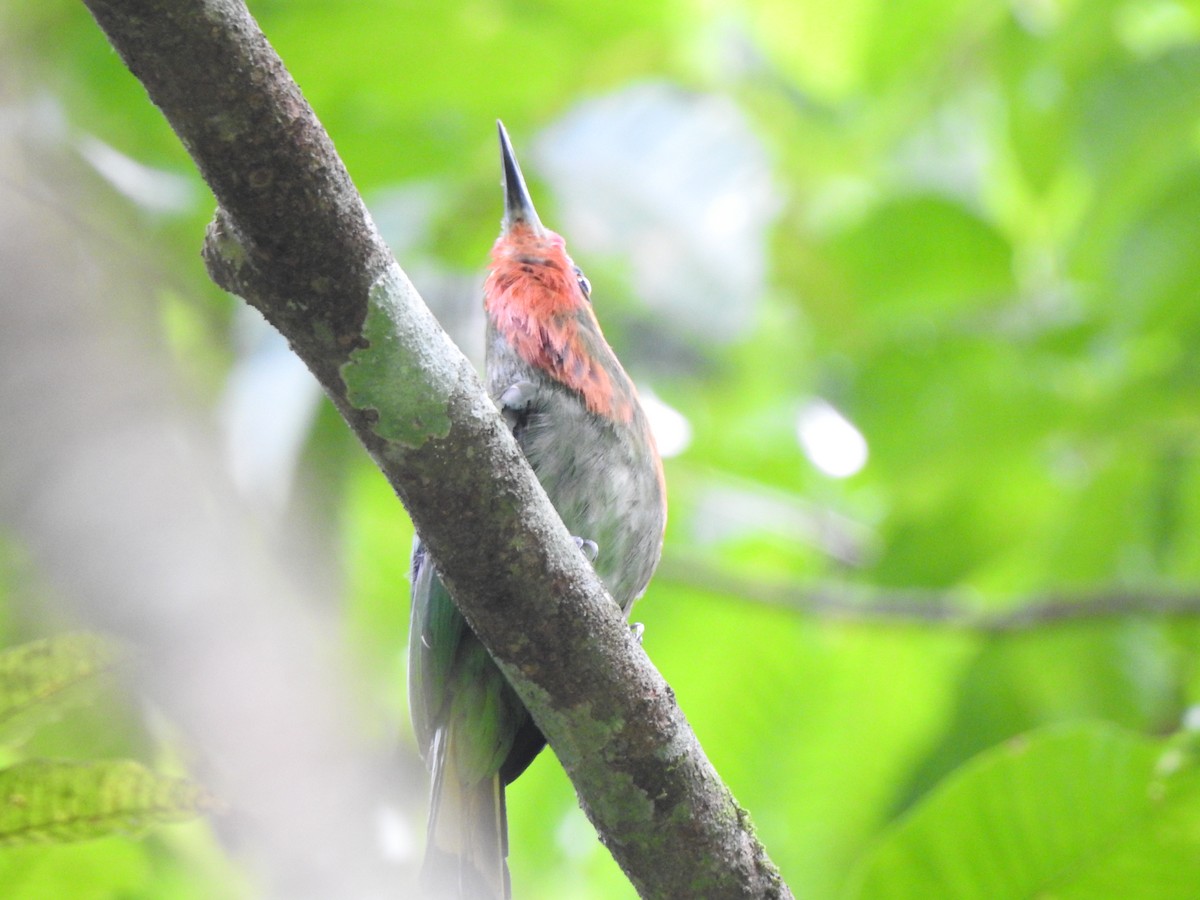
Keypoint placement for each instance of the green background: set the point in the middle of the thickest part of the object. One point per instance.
(980, 246)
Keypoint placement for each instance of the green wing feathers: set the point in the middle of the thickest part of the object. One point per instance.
(466, 718)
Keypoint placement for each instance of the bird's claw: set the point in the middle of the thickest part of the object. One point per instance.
(638, 630)
(589, 548)
(516, 400)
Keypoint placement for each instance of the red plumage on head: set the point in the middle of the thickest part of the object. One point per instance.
(534, 299)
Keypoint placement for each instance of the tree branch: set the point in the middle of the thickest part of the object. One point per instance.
(943, 609)
(294, 239)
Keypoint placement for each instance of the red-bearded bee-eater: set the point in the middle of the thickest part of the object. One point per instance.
(576, 416)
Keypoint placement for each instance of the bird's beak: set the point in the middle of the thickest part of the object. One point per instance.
(518, 207)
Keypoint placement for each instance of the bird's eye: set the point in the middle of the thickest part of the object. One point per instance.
(584, 285)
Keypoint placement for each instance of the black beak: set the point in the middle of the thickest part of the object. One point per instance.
(518, 207)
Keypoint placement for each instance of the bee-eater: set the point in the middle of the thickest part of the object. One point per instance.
(576, 416)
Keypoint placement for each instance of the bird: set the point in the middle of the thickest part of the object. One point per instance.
(576, 416)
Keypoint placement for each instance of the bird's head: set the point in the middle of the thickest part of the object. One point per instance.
(540, 302)
(530, 264)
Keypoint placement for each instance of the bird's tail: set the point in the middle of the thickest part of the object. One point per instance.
(467, 843)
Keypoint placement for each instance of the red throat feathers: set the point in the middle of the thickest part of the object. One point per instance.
(535, 298)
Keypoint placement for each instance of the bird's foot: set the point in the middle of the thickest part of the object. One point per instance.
(638, 630)
(590, 549)
(516, 400)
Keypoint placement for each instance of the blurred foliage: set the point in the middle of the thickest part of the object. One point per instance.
(40, 678)
(985, 258)
(57, 801)
(48, 805)
(1116, 824)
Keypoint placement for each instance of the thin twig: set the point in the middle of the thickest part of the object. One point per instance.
(962, 610)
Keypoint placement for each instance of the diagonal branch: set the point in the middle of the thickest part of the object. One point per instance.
(293, 238)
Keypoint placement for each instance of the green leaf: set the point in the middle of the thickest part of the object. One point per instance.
(39, 677)
(57, 801)
(1085, 810)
